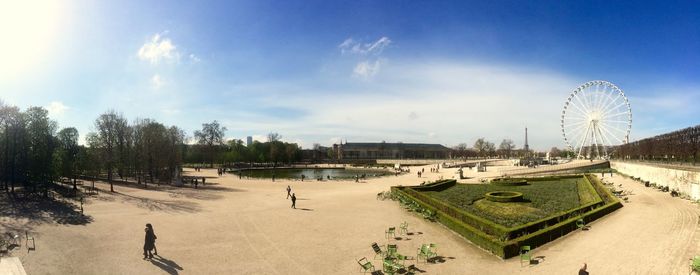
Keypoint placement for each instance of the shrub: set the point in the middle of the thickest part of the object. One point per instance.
(502, 240)
(504, 196)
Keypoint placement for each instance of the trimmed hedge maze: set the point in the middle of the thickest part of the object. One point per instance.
(549, 209)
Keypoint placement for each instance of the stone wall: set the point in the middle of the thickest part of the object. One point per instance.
(687, 182)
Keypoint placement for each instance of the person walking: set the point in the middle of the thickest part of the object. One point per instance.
(583, 270)
(289, 191)
(149, 242)
(294, 201)
(155, 249)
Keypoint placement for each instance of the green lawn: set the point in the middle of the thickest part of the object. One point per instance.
(542, 199)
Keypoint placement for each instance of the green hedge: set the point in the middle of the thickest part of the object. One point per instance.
(505, 242)
(509, 182)
(504, 196)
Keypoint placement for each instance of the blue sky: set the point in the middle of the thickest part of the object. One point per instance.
(320, 71)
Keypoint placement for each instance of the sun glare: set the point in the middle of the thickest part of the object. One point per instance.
(28, 30)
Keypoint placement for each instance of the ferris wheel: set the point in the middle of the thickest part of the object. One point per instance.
(596, 116)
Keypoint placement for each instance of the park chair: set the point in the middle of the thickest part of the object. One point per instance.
(391, 250)
(425, 253)
(389, 266)
(580, 224)
(398, 257)
(390, 232)
(3, 247)
(695, 264)
(29, 238)
(403, 229)
(378, 251)
(429, 214)
(412, 206)
(13, 239)
(366, 265)
(433, 248)
(525, 254)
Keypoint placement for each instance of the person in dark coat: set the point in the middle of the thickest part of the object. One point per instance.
(149, 242)
(583, 271)
(294, 201)
(289, 191)
(155, 249)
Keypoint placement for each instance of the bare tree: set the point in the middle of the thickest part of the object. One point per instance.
(506, 147)
(272, 137)
(211, 136)
(107, 137)
(483, 147)
(555, 152)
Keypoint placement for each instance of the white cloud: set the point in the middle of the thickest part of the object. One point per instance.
(368, 54)
(159, 49)
(367, 69)
(194, 58)
(359, 48)
(157, 82)
(457, 102)
(57, 108)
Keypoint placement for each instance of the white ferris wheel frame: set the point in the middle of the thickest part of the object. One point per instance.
(596, 116)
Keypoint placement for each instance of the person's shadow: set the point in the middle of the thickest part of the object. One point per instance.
(166, 265)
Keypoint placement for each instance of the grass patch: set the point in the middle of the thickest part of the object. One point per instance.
(471, 218)
(542, 198)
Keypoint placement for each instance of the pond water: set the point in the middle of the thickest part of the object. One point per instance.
(314, 173)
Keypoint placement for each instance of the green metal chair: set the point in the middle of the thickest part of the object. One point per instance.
(525, 254)
(389, 267)
(425, 253)
(366, 265)
(391, 250)
(430, 215)
(580, 224)
(433, 248)
(695, 265)
(399, 261)
(390, 232)
(403, 228)
(378, 251)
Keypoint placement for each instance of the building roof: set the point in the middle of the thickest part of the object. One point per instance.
(394, 146)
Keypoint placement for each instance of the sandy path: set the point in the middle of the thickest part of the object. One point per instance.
(234, 226)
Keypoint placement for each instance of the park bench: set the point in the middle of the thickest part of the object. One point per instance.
(27, 239)
(89, 189)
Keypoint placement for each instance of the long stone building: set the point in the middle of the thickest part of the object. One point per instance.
(383, 150)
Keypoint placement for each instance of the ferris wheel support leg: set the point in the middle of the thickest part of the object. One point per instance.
(585, 137)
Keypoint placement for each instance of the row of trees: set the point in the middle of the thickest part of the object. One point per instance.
(485, 148)
(211, 148)
(34, 153)
(681, 145)
(144, 150)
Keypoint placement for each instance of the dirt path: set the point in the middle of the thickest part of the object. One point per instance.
(233, 226)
